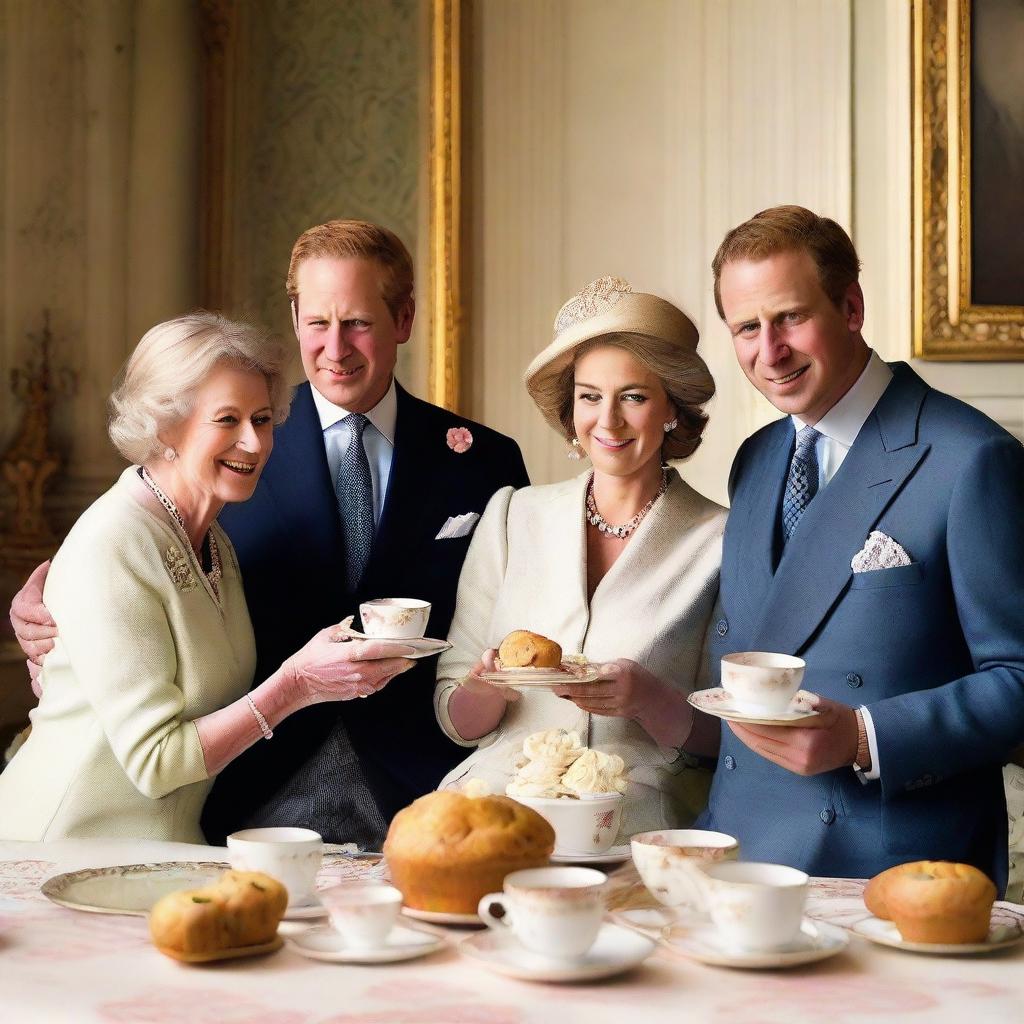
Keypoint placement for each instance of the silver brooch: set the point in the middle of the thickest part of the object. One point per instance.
(180, 570)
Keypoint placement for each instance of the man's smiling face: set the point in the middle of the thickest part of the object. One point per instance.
(800, 350)
(348, 338)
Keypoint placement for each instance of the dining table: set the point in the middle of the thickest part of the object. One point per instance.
(60, 964)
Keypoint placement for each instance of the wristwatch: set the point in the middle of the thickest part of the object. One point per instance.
(862, 762)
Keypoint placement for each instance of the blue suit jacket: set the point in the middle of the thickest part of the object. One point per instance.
(934, 649)
(288, 540)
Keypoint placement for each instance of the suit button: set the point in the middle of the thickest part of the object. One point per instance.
(730, 762)
(854, 680)
(827, 815)
(722, 627)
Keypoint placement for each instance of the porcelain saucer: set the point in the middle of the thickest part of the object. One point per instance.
(615, 950)
(542, 678)
(817, 941)
(438, 917)
(422, 646)
(403, 943)
(1001, 934)
(614, 855)
(718, 703)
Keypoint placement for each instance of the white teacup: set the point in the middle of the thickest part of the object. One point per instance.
(291, 855)
(363, 912)
(760, 682)
(755, 906)
(553, 911)
(669, 863)
(395, 618)
(584, 825)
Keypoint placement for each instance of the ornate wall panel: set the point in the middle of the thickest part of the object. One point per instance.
(324, 101)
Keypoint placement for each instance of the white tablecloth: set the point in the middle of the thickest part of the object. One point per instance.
(63, 965)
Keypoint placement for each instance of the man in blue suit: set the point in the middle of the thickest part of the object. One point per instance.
(875, 532)
(369, 493)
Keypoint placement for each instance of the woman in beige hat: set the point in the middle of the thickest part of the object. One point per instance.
(620, 563)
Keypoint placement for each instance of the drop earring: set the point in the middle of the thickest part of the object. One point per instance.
(671, 425)
(170, 454)
(574, 452)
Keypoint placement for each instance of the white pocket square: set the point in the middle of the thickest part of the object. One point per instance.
(458, 526)
(879, 552)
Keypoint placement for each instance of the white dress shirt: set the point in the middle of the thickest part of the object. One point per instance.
(839, 428)
(378, 440)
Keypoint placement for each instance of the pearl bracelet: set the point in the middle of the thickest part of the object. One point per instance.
(260, 720)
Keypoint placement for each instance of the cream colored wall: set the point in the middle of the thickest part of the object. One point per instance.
(627, 137)
(99, 188)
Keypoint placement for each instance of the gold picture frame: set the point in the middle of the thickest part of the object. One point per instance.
(948, 323)
(447, 294)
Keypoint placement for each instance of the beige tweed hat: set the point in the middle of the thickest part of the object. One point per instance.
(606, 306)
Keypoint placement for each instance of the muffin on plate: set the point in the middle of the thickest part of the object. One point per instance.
(447, 850)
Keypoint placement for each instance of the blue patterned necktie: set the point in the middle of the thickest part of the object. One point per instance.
(354, 489)
(802, 482)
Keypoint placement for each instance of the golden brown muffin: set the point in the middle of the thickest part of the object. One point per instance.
(523, 649)
(933, 901)
(447, 850)
(242, 908)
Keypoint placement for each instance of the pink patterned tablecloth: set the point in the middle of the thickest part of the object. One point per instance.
(62, 965)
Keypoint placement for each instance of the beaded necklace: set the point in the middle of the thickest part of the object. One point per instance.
(215, 573)
(595, 518)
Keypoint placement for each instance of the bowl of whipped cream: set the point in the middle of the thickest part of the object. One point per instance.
(577, 789)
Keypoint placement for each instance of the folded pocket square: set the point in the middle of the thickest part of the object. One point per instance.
(458, 526)
(879, 552)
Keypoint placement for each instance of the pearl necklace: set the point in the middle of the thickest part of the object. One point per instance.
(596, 519)
(215, 573)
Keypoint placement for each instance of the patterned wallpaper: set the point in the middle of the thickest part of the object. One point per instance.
(329, 127)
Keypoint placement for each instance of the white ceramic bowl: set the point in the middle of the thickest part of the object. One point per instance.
(667, 861)
(582, 826)
(395, 618)
(291, 855)
(760, 682)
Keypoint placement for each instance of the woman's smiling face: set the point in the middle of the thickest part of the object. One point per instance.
(619, 411)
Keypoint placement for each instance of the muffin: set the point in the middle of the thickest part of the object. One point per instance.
(242, 908)
(523, 649)
(447, 850)
(933, 901)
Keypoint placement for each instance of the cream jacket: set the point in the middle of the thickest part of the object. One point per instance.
(526, 569)
(144, 648)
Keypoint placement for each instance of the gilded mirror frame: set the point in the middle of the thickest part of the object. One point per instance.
(947, 325)
(446, 298)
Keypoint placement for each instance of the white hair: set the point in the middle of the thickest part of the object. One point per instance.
(157, 388)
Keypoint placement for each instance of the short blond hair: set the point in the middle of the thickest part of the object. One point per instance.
(788, 229)
(157, 387)
(356, 239)
(682, 373)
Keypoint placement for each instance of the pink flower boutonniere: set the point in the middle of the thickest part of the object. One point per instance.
(459, 439)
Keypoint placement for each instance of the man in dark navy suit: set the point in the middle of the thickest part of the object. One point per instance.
(875, 532)
(370, 493)
(346, 771)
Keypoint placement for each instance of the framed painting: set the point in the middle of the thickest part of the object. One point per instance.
(968, 187)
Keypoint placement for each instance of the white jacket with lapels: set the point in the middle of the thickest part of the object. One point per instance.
(526, 569)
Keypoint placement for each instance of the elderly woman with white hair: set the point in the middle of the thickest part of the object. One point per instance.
(620, 563)
(144, 696)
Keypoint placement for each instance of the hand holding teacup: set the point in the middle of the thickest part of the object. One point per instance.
(765, 683)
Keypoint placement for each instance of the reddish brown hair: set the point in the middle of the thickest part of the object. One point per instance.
(356, 239)
(789, 228)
